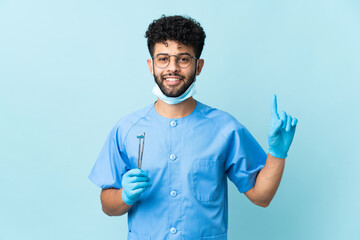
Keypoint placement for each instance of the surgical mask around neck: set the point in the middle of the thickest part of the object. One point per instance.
(174, 100)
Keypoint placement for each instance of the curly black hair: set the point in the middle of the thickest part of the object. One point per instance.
(182, 29)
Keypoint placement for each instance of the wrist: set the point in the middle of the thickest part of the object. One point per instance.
(277, 154)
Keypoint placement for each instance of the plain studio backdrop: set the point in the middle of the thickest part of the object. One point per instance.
(70, 69)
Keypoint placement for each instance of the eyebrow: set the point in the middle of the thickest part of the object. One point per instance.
(174, 54)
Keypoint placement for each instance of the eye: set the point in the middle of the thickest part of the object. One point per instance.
(163, 59)
(183, 59)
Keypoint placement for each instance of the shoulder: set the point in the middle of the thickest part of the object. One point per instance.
(124, 124)
(221, 119)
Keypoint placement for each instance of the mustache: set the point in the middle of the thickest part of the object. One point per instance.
(171, 74)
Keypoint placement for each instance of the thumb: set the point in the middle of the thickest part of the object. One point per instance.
(139, 190)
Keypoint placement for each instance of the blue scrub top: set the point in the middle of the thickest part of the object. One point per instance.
(188, 160)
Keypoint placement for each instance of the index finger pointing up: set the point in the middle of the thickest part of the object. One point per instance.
(274, 112)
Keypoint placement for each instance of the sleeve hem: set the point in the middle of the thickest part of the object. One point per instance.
(91, 178)
(102, 186)
(245, 188)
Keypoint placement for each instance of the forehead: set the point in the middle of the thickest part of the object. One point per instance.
(172, 47)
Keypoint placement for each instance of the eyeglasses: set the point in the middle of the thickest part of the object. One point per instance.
(183, 60)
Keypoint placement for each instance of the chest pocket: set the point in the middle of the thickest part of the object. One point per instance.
(206, 177)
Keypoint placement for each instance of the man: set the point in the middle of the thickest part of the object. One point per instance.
(189, 149)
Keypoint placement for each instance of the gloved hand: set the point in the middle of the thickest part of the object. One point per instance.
(281, 132)
(134, 182)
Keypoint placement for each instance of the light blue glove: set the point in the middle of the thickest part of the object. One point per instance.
(134, 182)
(281, 132)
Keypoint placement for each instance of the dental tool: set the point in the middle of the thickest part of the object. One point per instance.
(141, 149)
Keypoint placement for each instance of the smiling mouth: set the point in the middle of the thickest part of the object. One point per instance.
(172, 79)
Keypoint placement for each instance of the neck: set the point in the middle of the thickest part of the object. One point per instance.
(179, 110)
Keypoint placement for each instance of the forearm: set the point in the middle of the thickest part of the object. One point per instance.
(112, 203)
(268, 181)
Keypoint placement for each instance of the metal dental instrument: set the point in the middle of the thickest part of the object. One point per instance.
(141, 149)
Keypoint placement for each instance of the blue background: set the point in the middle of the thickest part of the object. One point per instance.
(70, 69)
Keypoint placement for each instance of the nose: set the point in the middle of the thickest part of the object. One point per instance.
(173, 65)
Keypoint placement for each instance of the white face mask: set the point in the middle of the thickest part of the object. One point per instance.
(174, 100)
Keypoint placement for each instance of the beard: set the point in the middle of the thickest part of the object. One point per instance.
(174, 92)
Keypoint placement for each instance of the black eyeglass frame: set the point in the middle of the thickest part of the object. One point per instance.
(177, 55)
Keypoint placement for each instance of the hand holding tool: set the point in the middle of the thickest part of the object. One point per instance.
(134, 183)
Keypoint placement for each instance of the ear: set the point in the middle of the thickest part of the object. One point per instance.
(149, 63)
(199, 66)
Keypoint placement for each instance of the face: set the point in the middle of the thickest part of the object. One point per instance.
(173, 80)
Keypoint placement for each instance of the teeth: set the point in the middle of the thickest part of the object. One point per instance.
(172, 79)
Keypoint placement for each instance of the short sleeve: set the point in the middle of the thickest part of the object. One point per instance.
(245, 159)
(111, 163)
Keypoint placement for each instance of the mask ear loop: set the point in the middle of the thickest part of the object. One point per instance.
(196, 65)
(152, 60)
